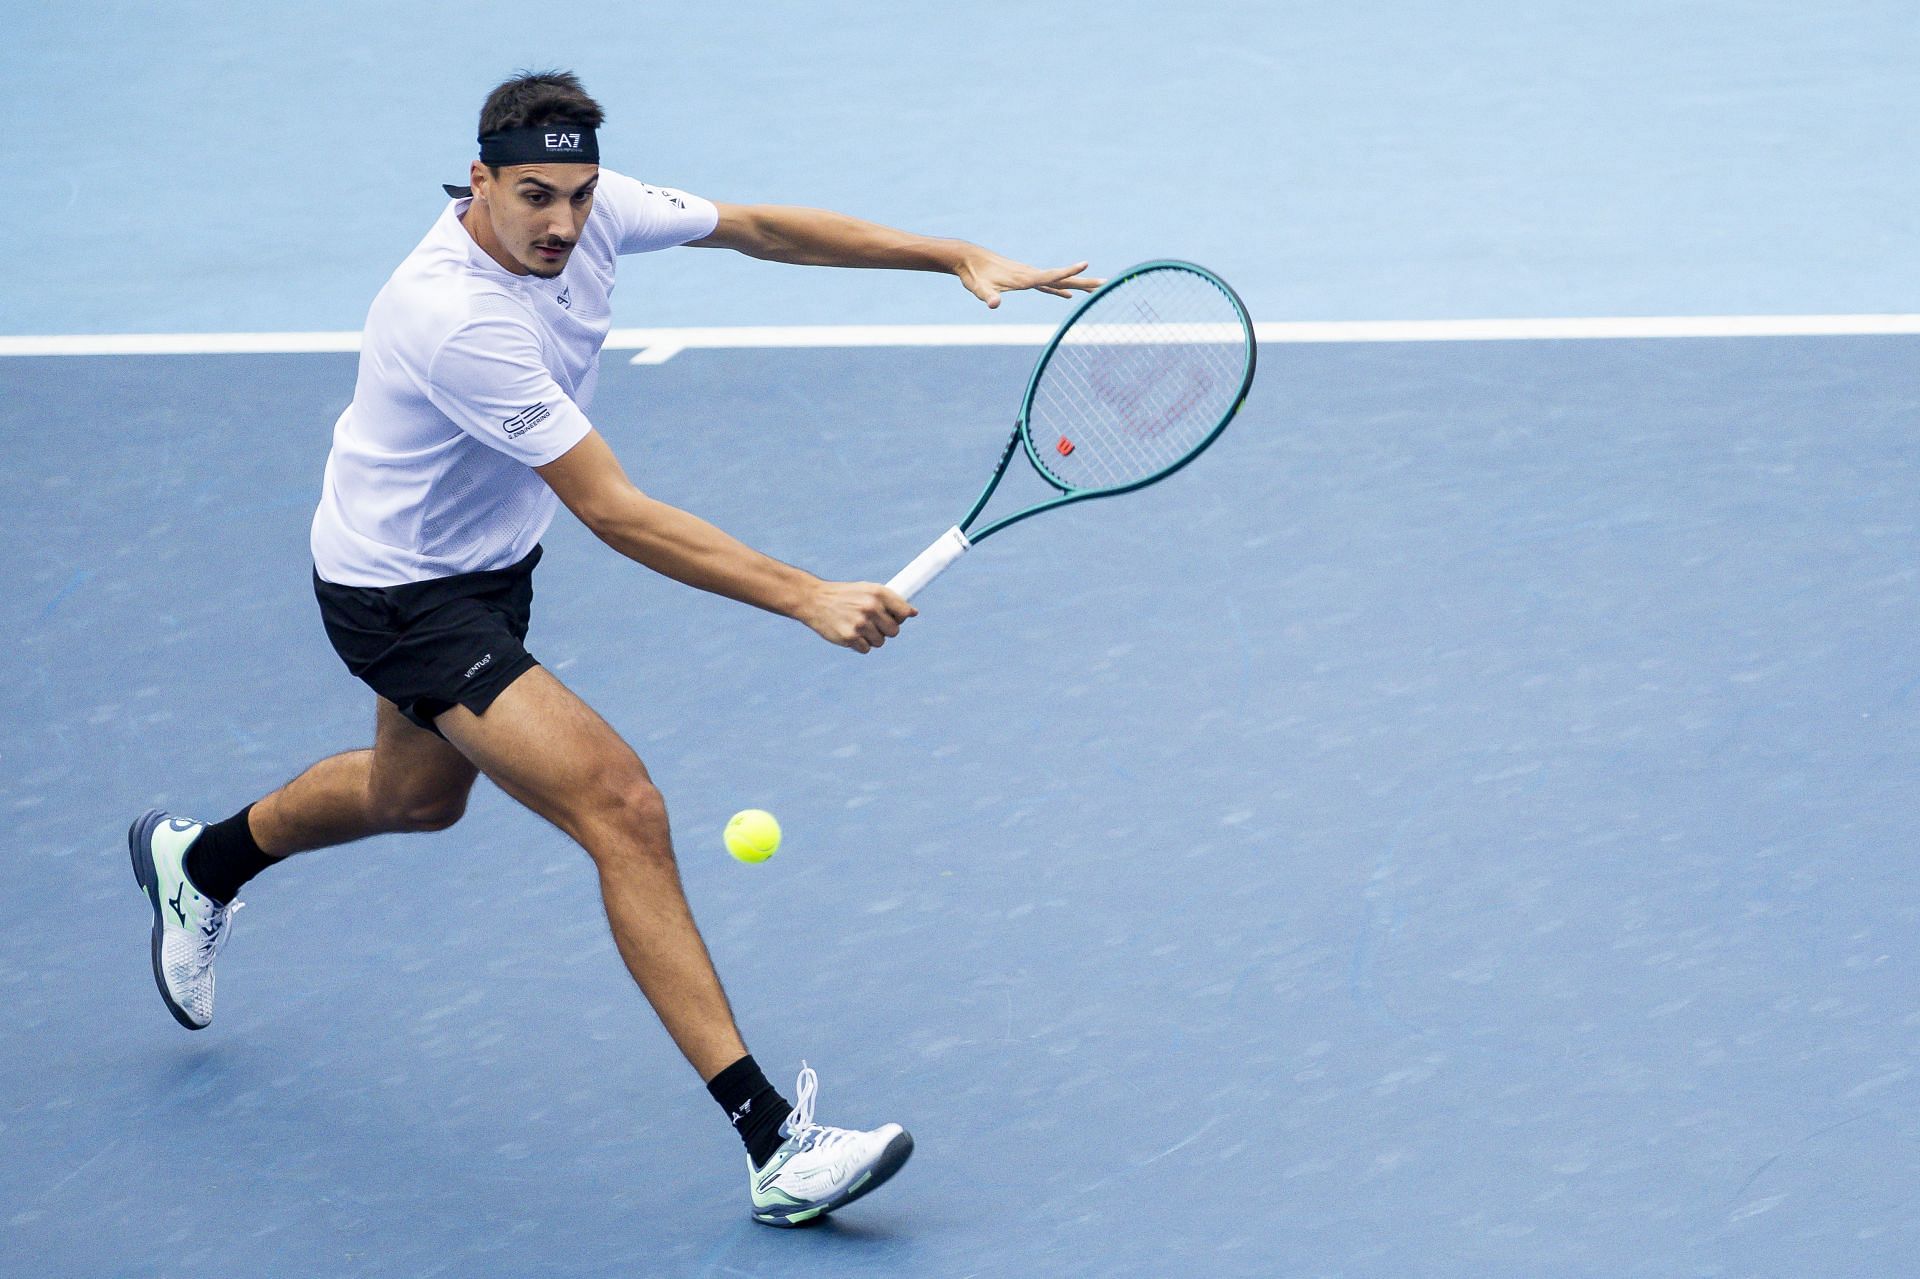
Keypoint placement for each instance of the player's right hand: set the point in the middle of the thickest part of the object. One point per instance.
(857, 615)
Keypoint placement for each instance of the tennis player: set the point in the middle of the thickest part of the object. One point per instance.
(468, 429)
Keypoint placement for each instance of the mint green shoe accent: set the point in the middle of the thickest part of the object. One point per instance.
(189, 928)
(818, 1169)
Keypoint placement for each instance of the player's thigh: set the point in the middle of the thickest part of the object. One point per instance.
(417, 776)
(543, 745)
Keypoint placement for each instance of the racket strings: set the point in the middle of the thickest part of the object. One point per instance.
(1112, 436)
(1141, 379)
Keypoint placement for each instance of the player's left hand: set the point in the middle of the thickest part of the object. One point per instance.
(987, 275)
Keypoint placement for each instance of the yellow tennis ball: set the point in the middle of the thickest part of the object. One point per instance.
(753, 835)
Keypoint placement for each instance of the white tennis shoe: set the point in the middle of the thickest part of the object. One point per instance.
(818, 1169)
(189, 928)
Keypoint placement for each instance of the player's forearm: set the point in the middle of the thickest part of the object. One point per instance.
(686, 548)
(820, 237)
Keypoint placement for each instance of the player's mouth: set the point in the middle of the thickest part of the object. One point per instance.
(552, 252)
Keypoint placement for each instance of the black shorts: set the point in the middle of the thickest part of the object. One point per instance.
(429, 646)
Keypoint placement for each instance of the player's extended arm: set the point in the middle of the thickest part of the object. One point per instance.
(819, 237)
(668, 540)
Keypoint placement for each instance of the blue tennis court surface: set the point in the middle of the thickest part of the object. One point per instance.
(1463, 826)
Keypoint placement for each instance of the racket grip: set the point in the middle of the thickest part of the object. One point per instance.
(930, 563)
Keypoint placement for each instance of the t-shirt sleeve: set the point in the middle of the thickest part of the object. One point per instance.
(645, 218)
(488, 378)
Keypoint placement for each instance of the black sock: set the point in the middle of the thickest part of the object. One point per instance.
(223, 857)
(757, 1111)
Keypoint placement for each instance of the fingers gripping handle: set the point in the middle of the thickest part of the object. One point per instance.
(930, 563)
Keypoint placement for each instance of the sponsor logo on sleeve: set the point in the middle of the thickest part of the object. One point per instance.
(525, 420)
(670, 197)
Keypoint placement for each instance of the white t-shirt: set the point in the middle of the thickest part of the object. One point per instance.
(470, 376)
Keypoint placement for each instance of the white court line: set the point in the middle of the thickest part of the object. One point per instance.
(657, 346)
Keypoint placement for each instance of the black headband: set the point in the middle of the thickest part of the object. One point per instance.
(541, 144)
(537, 144)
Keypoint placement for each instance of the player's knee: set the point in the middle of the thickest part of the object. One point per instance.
(409, 813)
(437, 814)
(638, 803)
(631, 807)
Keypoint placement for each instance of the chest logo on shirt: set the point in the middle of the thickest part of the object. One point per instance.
(565, 298)
(525, 420)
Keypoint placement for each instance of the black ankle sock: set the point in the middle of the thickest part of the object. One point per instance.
(224, 856)
(757, 1111)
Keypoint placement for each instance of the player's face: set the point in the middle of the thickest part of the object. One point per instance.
(536, 211)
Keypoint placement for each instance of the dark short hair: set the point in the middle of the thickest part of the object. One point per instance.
(533, 98)
(539, 97)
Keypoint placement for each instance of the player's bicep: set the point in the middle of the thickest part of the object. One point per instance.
(589, 480)
(737, 228)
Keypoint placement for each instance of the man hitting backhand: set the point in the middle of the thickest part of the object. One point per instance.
(467, 431)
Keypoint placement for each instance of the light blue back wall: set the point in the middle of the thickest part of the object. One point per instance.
(219, 166)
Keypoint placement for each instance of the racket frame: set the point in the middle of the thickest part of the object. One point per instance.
(1022, 429)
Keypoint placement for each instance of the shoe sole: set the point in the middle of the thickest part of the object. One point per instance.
(140, 849)
(891, 1160)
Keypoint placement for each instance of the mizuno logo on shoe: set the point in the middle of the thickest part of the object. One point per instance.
(175, 903)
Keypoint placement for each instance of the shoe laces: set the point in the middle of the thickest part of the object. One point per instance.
(800, 1125)
(213, 932)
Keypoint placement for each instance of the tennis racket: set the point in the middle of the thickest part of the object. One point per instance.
(1144, 374)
